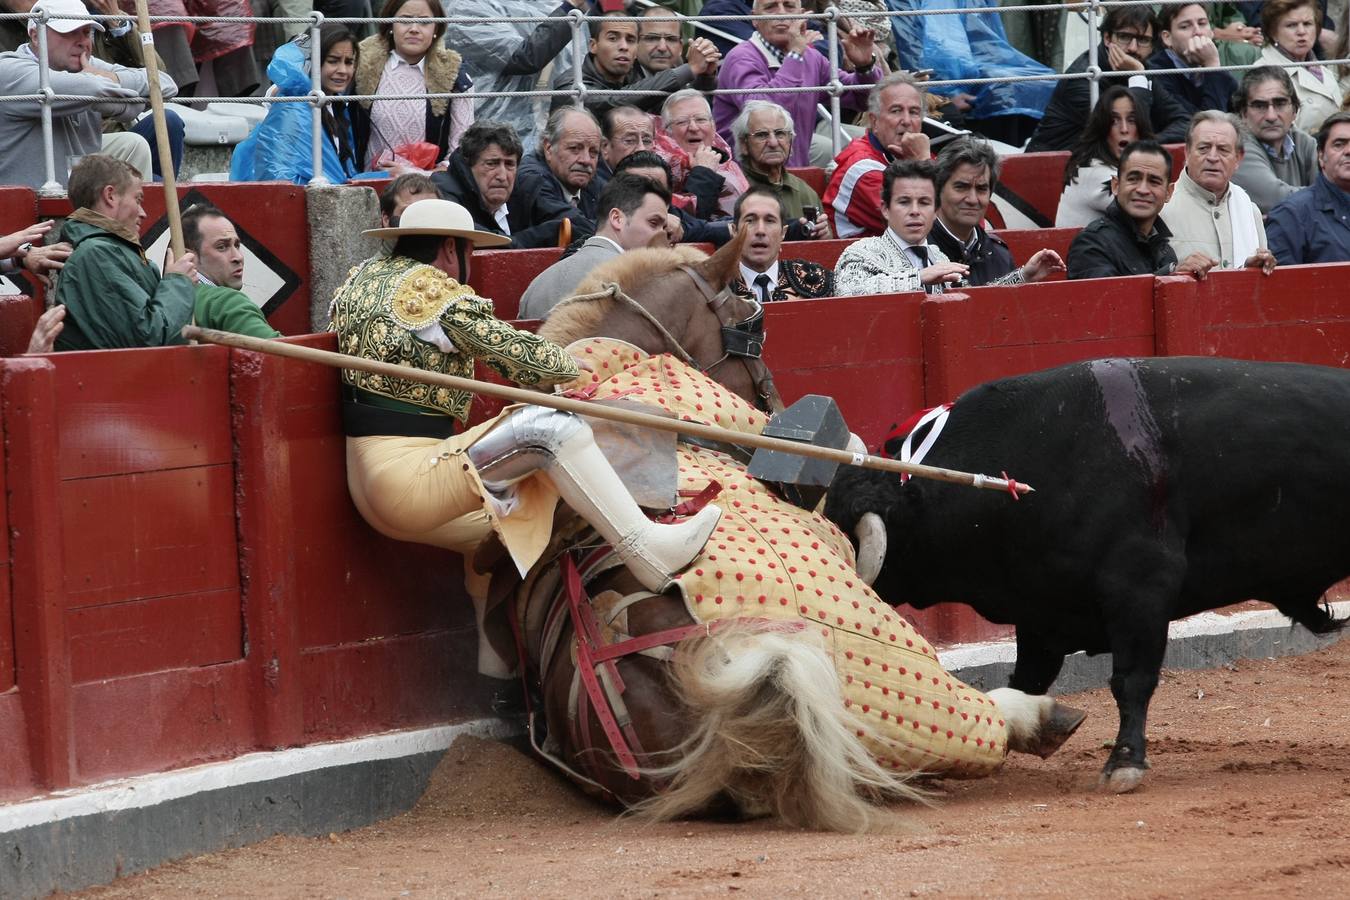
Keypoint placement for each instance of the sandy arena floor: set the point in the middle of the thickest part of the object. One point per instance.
(1249, 797)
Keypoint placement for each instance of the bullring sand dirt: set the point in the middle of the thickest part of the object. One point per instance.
(1249, 797)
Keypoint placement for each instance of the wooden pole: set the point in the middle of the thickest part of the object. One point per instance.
(151, 62)
(596, 411)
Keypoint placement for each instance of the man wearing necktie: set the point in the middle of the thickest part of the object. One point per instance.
(764, 276)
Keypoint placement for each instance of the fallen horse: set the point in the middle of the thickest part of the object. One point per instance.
(770, 680)
(1167, 486)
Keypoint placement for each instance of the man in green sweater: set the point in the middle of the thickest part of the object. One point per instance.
(114, 296)
(220, 275)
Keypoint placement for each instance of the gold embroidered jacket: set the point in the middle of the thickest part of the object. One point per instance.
(389, 306)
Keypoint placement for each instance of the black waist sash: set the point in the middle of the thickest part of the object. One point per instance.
(363, 419)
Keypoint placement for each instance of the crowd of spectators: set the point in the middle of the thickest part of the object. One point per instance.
(1267, 157)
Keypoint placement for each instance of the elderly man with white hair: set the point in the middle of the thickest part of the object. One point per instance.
(98, 89)
(705, 179)
(764, 133)
(1209, 214)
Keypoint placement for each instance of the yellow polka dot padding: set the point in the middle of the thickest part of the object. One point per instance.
(769, 559)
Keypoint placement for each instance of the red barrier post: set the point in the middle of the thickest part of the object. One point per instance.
(944, 326)
(1177, 317)
(42, 661)
(267, 530)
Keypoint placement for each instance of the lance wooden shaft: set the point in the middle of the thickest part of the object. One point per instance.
(596, 410)
(151, 62)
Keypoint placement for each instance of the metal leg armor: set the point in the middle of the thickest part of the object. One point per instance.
(561, 445)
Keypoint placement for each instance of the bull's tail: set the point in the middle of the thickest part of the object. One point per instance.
(1316, 617)
(771, 735)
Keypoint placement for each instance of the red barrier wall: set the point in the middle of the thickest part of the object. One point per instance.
(835, 346)
(989, 332)
(1297, 313)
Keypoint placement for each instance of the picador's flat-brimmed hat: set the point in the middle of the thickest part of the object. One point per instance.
(442, 218)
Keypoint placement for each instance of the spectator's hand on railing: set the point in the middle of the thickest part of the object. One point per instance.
(944, 273)
(44, 260)
(10, 243)
(913, 145)
(703, 56)
(1122, 61)
(1201, 50)
(1262, 259)
(184, 265)
(48, 326)
(1042, 265)
(1197, 264)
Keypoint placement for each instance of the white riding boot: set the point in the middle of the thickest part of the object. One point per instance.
(563, 446)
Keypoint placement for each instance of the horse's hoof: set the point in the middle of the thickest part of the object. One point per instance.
(1122, 780)
(1063, 722)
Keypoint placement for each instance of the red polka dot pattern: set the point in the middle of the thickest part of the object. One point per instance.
(769, 559)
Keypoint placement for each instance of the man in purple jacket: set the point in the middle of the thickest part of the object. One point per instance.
(779, 55)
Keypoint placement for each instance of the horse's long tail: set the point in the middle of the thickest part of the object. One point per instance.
(770, 734)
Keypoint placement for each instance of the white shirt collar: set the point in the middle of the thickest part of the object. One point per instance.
(613, 243)
(748, 275)
(202, 279)
(908, 249)
(395, 59)
(500, 216)
(772, 55)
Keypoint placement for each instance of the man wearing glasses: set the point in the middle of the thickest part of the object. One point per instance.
(763, 133)
(1127, 40)
(624, 130)
(660, 49)
(1279, 158)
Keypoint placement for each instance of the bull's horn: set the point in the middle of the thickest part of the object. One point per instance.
(871, 534)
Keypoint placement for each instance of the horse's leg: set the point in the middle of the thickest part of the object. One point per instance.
(1036, 723)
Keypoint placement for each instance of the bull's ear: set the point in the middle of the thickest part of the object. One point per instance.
(720, 268)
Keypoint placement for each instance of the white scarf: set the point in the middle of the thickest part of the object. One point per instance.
(1242, 216)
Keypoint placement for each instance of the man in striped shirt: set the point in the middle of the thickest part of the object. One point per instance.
(895, 111)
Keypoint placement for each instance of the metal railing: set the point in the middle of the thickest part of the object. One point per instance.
(577, 22)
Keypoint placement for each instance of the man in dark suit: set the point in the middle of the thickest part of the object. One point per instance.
(1188, 43)
(562, 170)
(482, 178)
(632, 215)
(764, 276)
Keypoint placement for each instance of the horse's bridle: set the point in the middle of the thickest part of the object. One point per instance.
(743, 340)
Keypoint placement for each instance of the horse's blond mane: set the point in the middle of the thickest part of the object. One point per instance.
(572, 321)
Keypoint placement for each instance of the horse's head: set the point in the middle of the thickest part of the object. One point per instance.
(674, 300)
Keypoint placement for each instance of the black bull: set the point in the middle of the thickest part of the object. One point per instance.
(1164, 487)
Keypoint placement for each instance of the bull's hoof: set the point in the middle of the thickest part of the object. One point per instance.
(1121, 780)
(1063, 722)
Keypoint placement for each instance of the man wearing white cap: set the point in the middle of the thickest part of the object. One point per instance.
(101, 88)
(413, 477)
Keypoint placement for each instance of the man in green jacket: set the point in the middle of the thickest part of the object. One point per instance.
(220, 275)
(114, 296)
